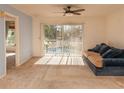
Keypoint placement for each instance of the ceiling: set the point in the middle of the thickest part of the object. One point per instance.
(47, 13)
(50, 10)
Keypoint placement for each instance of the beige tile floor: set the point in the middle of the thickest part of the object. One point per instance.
(32, 75)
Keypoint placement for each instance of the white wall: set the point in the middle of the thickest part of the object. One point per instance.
(2, 48)
(94, 30)
(115, 29)
(38, 37)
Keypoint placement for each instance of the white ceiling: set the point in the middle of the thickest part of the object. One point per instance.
(49, 10)
(46, 13)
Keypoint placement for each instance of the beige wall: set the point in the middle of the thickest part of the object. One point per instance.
(36, 37)
(94, 31)
(115, 29)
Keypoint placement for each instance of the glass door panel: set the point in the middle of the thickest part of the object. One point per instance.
(50, 39)
(63, 40)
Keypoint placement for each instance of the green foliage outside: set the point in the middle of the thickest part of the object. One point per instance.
(11, 38)
(50, 31)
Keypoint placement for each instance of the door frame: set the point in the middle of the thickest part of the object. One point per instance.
(42, 34)
(17, 37)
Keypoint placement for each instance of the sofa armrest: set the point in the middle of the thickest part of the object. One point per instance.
(113, 62)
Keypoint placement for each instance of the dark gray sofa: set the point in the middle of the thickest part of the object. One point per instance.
(108, 66)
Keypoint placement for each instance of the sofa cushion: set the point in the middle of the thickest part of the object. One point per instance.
(113, 62)
(103, 49)
(121, 55)
(111, 53)
(95, 49)
(96, 60)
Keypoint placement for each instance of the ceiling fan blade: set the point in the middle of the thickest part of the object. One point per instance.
(76, 13)
(79, 10)
(58, 12)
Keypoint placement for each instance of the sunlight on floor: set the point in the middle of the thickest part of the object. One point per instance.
(60, 60)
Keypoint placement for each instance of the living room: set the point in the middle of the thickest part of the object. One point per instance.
(102, 24)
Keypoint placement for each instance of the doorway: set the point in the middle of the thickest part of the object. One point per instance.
(10, 44)
(12, 41)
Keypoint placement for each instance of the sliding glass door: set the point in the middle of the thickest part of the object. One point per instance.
(63, 40)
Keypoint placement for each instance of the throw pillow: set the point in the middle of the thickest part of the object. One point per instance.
(95, 49)
(103, 49)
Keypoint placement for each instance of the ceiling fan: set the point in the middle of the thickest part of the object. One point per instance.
(67, 10)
